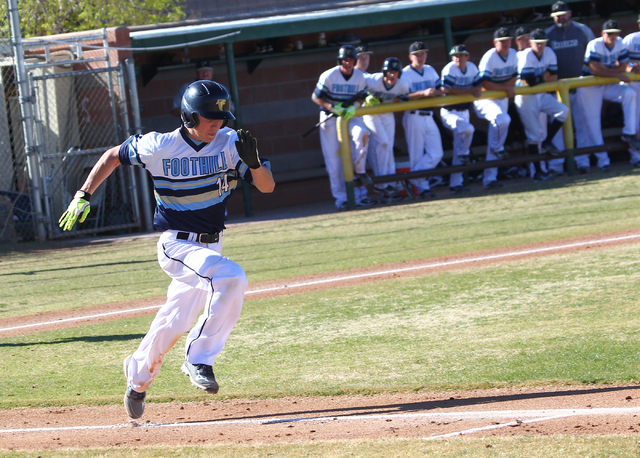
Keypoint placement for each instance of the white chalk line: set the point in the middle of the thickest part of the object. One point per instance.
(351, 277)
(490, 427)
(539, 415)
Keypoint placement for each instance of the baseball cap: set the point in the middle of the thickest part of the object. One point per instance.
(502, 34)
(559, 8)
(611, 26)
(417, 47)
(458, 49)
(362, 49)
(522, 31)
(203, 64)
(538, 36)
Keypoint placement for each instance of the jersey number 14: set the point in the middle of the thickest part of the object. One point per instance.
(223, 185)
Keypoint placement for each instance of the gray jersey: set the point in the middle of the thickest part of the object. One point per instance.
(569, 44)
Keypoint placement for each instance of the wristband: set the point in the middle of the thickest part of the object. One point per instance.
(83, 195)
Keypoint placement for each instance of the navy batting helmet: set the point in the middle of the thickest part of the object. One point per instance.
(392, 63)
(347, 51)
(207, 99)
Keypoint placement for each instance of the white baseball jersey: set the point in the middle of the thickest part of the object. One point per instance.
(419, 80)
(454, 77)
(335, 88)
(597, 51)
(632, 43)
(497, 69)
(386, 94)
(530, 65)
(192, 182)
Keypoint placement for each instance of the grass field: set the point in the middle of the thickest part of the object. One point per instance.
(561, 319)
(530, 447)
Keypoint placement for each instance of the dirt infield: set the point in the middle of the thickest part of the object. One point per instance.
(596, 410)
(600, 410)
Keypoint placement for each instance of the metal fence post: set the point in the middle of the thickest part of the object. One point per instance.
(233, 87)
(137, 127)
(26, 111)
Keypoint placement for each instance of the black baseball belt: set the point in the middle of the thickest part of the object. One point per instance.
(214, 237)
(422, 112)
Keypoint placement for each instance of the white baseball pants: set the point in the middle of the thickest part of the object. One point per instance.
(496, 112)
(333, 162)
(591, 98)
(457, 121)
(202, 279)
(635, 154)
(383, 132)
(529, 109)
(424, 144)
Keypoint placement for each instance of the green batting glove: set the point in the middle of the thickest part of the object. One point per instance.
(77, 210)
(371, 100)
(338, 109)
(349, 112)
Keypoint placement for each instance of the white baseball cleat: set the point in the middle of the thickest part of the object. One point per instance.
(201, 376)
(133, 401)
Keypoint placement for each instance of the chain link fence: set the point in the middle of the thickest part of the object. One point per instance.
(76, 115)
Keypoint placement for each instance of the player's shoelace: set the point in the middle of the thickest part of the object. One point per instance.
(204, 370)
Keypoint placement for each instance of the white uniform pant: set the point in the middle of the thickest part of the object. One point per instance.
(457, 121)
(635, 154)
(529, 109)
(202, 279)
(331, 152)
(591, 98)
(579, 127)
(496, 112)
(383, 132)
(424, 144)
(535, 111)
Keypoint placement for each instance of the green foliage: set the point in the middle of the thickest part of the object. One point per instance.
(49, 17)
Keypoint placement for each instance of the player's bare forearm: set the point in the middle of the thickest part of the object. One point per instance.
(322, 103)
(599, 69)
(507, 86)
(549, 77)
(263, 179)
(101, 171)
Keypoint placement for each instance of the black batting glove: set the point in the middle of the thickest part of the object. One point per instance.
(247, 147)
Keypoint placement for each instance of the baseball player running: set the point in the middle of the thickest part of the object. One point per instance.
(385, 87)
(632, 42)
(607, 56)
(536, 65)
(460, 76)
(194, 170)
(338, 93)
(423, 137)
(498, 70)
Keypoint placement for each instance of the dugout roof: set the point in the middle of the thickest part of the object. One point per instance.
(322, 21)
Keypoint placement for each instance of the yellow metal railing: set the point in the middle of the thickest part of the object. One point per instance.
(561, 87)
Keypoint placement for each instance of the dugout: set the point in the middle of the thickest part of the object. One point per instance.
(271, 79)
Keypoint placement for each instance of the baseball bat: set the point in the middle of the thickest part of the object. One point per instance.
(317, 125)
(348, 103)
